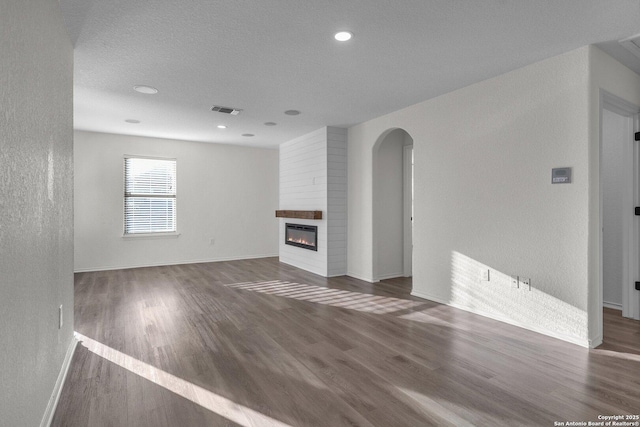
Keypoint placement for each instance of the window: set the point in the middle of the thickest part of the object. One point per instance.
(149, 195)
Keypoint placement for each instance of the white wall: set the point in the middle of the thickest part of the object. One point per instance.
(388, 198)
(616, 134)
(224, 192)
(483, 195)
(36, 225)
(313, 176)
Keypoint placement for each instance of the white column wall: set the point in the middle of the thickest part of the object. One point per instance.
(313, 176)
(303, 186)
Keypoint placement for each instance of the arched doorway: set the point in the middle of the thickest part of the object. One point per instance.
(392, 204)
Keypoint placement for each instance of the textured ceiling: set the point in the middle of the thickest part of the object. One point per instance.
(268, 56)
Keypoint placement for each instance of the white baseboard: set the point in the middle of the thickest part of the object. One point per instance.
(553, 334)
(160, 264)
(594, 342)
(307, 268)
(360, 277)
(612, 305)
(390, 276)
(57, 390)
(429, 297)
(336, 275)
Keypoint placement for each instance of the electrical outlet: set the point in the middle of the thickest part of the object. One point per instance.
(514, 282)
(485, 275)
(60, 317)
(525, 283)
(212, 241)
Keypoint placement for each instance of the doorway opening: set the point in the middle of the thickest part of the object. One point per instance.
(392, 205)
(619, 194)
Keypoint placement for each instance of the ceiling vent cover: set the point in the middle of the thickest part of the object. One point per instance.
(632, 44)
(226, 110)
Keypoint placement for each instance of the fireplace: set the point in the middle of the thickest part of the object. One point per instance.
(302, 236)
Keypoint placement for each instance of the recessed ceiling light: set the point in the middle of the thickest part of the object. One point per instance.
(343, 36)
(292, 112)
(132, 121)
(147, 90)
(248, 134)
(222, 127)
(270, 124)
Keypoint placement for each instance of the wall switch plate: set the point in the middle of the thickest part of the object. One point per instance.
(525, 283)
(485, 275)
(60, 317)
(514, 282)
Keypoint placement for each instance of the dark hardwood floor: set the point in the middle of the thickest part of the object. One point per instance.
(261, 343)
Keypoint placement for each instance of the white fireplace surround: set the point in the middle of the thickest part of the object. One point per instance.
(313, 176)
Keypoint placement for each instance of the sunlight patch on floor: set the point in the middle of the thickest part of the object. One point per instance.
(222, 406)
(433, 408)
(334, 297)
(617, 354)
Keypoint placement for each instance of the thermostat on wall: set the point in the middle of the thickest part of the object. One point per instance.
(561, 176)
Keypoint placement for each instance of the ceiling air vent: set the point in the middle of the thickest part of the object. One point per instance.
(226, 110)
(632, 44)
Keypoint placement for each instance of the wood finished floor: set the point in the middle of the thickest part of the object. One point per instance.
(257, 342)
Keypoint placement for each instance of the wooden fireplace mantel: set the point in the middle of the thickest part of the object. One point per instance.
(299, 214)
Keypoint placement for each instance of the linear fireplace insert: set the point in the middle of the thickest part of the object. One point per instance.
(302, 236)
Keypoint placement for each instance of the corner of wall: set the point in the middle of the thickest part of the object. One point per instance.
(594, 283)
(36, 183)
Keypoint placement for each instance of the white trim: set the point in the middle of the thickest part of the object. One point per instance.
(629, 239)
(568, 338)
(390, 276)
(630, 45)
(633, 298)
(361, 277)
(136, 236)
(595, 342)
(617, 104)
(160, 264)
(57, 389)
(612, 305)
(596, 312)
(136, 156)
(407, 226)
(424, 295)
(308, 268)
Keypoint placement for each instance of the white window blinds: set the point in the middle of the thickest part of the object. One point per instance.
(149, 195)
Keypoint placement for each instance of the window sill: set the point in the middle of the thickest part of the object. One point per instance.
(143, 236)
